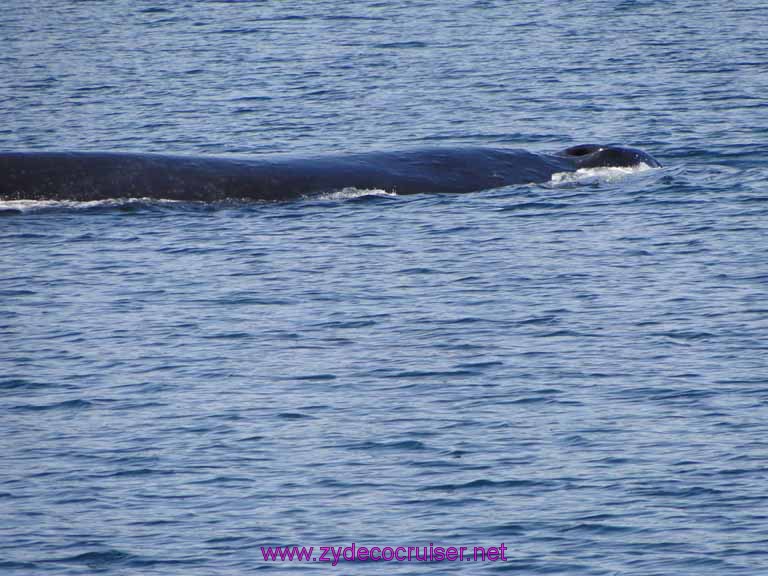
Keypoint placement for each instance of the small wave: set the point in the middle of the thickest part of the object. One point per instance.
(98, 558)
(11, 565)
(590, 175)
(293, 416)
(485, 484)
(111, 559)
(20, 384)
(154, 10)
(598, 528)
(318, 377)
(397, 446)
(401, 45)
(66, 405)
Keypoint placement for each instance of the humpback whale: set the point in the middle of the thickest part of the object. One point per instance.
(107, 175)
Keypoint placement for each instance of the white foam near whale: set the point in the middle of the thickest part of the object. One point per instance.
(602, 174)
(39, 205)
(351, 193)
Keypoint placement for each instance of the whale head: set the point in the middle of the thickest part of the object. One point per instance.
(596, 156)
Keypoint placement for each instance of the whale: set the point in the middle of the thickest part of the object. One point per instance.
(87, 176)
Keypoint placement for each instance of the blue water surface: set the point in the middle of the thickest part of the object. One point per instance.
(575, 369)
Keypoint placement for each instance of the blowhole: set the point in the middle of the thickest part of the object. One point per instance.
(582, 150)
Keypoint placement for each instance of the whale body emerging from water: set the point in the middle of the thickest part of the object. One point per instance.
(88, 176)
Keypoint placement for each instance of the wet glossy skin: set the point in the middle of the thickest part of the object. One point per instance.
(98, 176)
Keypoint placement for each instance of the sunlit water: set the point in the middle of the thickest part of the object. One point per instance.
(576, 369)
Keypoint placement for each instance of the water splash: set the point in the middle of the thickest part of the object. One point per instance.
(26, 206)
(351, 192)
(592, 175)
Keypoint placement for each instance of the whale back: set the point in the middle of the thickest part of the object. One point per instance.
(108, 175)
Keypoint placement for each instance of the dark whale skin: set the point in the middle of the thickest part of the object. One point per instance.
(86, 176)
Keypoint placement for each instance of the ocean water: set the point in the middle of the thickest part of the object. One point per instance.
(575, 369)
